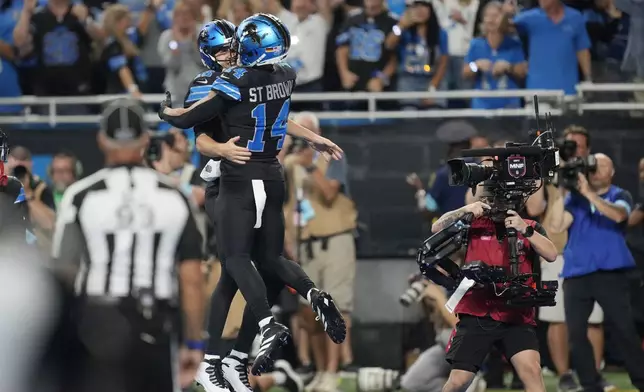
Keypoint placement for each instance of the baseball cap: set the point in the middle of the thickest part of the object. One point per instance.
(123, 121)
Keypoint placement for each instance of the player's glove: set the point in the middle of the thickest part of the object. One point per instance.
(166, 103)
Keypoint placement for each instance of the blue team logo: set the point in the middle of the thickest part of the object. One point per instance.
(21, 196)
(239, 72)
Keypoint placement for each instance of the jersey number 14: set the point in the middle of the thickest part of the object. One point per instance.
(278, 129)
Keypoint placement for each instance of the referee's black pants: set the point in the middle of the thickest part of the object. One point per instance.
(233, 210)
(115, 348)
(611, 290)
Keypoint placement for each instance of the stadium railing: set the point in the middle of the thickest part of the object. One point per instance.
(554, 101)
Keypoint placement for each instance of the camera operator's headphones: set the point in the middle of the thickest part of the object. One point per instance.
(154, 151)
(77, 166)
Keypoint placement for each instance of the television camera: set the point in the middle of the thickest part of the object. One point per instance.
(515, 173)
(567, 176)
(510, 174)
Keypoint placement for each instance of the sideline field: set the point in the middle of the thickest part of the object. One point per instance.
(620, 380)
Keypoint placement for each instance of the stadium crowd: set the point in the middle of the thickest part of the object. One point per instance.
(74, 47)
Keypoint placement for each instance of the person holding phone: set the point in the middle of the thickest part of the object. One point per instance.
(178, 50)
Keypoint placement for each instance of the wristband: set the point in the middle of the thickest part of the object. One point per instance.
(132, 88)
(196, 344)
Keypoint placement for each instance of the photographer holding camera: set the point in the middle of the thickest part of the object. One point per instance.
(575, 157)
(597, 257)
(38, 195)
(485, 320)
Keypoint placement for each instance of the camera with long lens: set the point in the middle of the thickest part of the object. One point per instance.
(414, 291)
(568, 176)
(515, 173)
(572, 166)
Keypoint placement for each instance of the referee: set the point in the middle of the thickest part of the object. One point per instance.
(122, 235)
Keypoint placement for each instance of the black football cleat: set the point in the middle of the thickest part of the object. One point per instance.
(274, 335)
(329, 315)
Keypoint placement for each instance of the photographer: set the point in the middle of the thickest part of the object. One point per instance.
(429, 371)
(38, 195)
(484, 319)
(597, 258)
(575, 149)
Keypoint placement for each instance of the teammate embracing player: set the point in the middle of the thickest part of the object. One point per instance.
(248, 105)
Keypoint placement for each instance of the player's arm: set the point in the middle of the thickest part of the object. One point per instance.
(203, 110)
(298, 131)
(67, 243)
(222, 93)
(191, 278)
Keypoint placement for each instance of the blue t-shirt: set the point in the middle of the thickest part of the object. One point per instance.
(511, 51)
(596, 243)
(447, 198)
(8, 72)
(163, 14)
(553, 48)
(415, 55)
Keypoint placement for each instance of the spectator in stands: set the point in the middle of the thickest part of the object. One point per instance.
(123, 66)
(558, 44)
(59, 36)
(326, 244)
(309, 31)
(422, 47)
(64, 170)
(458, 19)
(608, 32)
(151, 18)
(40, 199)
(634, 55)
(235, 10)
(9, 12)
(179, 53)
(495, 61)
(363, 61)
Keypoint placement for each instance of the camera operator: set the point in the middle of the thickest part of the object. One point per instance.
(596, 269)
(484, 319)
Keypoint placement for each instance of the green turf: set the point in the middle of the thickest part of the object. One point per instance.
(620, 380)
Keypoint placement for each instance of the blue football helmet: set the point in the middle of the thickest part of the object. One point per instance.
(214, 37)
(261, 39)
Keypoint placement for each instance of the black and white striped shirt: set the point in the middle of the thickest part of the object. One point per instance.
(126, 228)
